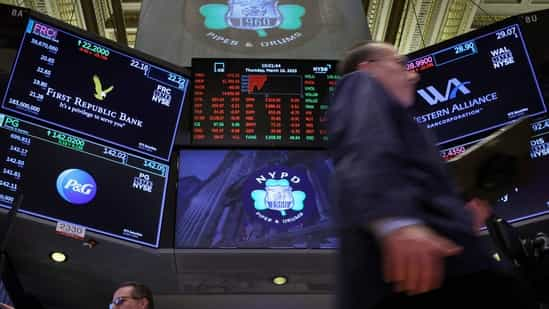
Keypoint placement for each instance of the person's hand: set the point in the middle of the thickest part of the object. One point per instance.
(481, 211)
(413, 258)
(4, 306)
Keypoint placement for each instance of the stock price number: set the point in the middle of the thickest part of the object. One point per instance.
(139, 65)
(15, 161)
(22, 151)
(94, 48)
(12, 173)
(155, 166)
(23, 139)
(67, 140)
(452, 152)
(39, 83)
(511, 31)
(178, 79)
(8, 185)
(419, 63)
(461, 48)
(37, 96)
(47, 59)
(43, 71)
(115, 153)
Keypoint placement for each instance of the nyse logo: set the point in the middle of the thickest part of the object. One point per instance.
(76, 186)
(143, 183)
(433, 96)
(162, 95)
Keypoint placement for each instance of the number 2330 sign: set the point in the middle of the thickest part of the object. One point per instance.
(70, 230)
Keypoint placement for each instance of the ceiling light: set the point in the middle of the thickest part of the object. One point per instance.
(58, 257)
(280, 280)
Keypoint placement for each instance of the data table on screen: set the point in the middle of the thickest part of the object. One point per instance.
(261, 103)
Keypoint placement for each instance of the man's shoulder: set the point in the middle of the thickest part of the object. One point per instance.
(360, 81)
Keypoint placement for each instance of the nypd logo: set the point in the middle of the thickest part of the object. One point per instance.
(278, 196)
(249, 25)
(76, 186)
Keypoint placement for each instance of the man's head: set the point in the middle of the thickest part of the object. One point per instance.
(382, 61)
(132, 295)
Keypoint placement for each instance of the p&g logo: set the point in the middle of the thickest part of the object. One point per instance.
(76, 186)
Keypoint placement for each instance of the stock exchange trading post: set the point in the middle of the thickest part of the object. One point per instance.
(70, 179)
(64, 80)
(263, 103)
(477, 85)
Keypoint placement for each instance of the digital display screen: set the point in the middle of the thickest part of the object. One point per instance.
(254, 199)
(476, 85)
(73, 83)
(478, 82)
(71, 179)
(262, 103)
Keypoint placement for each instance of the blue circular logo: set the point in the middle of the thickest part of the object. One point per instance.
(76, 186)
(278, 196)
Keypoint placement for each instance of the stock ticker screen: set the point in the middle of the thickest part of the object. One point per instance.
(489, 81)
(261, 103)
(72, 179)
(74, 83)
(481, 81)
(86, 131)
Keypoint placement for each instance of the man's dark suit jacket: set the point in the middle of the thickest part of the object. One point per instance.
(386, 166)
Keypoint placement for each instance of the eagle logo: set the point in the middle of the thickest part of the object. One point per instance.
(100, 94)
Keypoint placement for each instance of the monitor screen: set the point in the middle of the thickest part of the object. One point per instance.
(254, 199)
(261, 103)
(72, 179)
(478, 82)
(73, 82)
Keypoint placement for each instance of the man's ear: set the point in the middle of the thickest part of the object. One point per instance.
(144, 303)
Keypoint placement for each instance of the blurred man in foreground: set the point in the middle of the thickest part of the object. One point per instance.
(407, 238)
